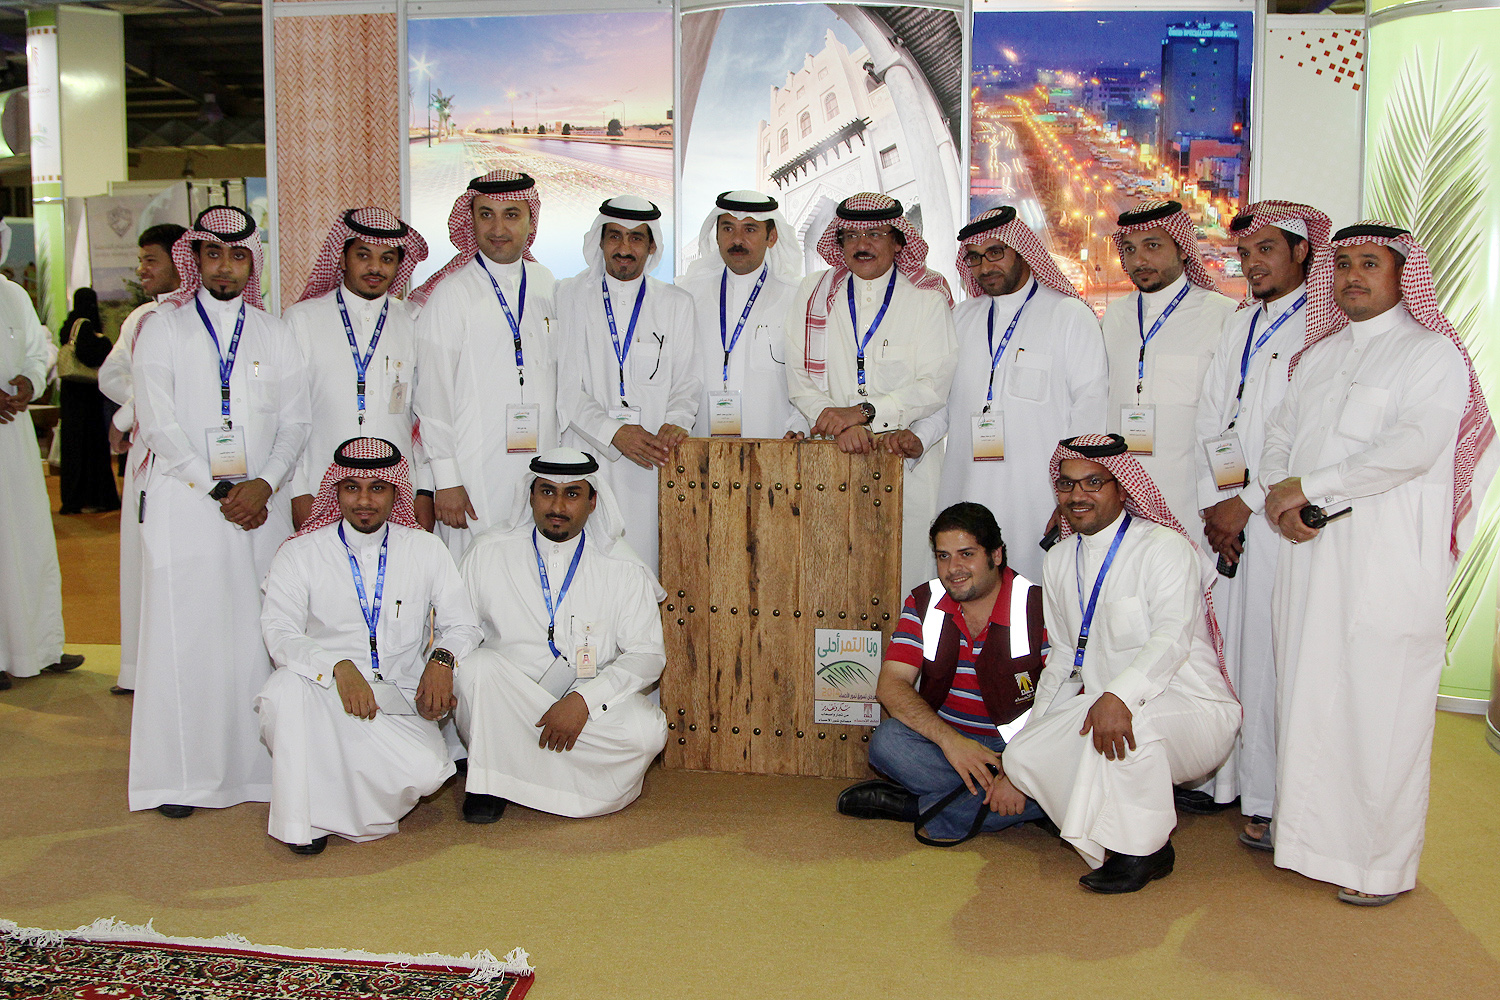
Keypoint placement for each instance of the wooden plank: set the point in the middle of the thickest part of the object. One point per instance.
(728, 611)
(826, 547)
(685, 573)
(776, 542)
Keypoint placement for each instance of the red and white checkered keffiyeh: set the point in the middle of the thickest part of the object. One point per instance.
(501, 185)
(1142, 500)
(1476, 431)
(372, 225)
(1166, 215)
(362, 458)
(911, 261)
(221, 224)
(1292, 216)
(1010, 230)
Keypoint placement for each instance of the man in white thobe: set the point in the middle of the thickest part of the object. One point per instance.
(349, 716)
(871, 350)
(552, 705)
(487, 340)
(358, 341)
(158, 278)
(31, 624)
(748, 269)
(1031, 371)
(222, 406)
(1246, 381)
(1133, 698)
(1159, 339)
(1384, 419)
(630, 381)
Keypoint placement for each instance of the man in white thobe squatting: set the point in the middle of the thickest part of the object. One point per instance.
(552, 705)
(1383, 418)
(1133, 698)
(629, 377)
(748, 269)
(1159, 339)
(1246, 381)
(871, 349)
(487, 340)
(158, 278)
(31, 624)
(349, 715)
(1031, 371)
(358, 340)
(222, 406)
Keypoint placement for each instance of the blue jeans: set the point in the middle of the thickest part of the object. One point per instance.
(918, 765)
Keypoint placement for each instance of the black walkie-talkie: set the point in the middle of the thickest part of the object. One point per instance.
(1227, 568)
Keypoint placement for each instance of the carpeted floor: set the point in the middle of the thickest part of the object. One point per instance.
(724, 886)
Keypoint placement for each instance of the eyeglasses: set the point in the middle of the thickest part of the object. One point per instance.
(848, 238)
(1093, 484)
(994, 255)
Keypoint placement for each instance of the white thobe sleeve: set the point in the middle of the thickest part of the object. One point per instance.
(929, 430)
(440, 336)
(687, 371)
(1430, 402)
(155, 381)
(457, 628)
(1060, 651)
(283, 619)
(932, 375)
(114, 375)
(1174, 607)
(642, 652)
(804, 393)
(36, 358)
(305, 478)
(294, 421)
(1210, 423)
(1088, 374)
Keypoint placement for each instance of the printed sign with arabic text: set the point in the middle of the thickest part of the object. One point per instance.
(846, 664)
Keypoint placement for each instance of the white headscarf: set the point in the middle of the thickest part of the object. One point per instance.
(784, 259)
(629, 211)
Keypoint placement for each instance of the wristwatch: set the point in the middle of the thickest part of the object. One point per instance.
(868, 409)
(442, 656)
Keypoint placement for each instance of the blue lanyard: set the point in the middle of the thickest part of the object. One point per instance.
(614, 333)
(541, 567)
(226, 365)
(1250, 351)
(859, 344)
(726, 341)
(1088, 613)
(372, 614)
(361, 366)
(1140, 319)
(514, 319)
(996, 355)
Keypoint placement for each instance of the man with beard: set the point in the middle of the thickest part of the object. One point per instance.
(222, 406)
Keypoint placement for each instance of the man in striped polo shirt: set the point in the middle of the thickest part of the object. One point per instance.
(962, 664)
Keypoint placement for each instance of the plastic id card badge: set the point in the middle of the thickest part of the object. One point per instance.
(557, 678)
(521, 422)
(390, 699)
(1138, 427)
(989, 437)
(626, 414)
(1226, 459)
(398, 395)
(724, 414)
(226, 453)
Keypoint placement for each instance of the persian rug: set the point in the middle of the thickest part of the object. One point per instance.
(109, 960)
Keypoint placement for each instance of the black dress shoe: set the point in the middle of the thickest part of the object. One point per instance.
(461, 765)
(483, 808)
(66, 662)
(4, 681)
(116, 689)
(1130, 872)
(172, 811)
(1199, 803)
(879, 800)
(316, 847)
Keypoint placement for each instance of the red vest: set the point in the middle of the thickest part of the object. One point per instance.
(1006, 683)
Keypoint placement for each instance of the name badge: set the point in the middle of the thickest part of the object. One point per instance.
(626, 414)
(226, 453)
(988, 435)
(584, 662)
(398, 396)
(724, 414)
(390, 699)
(1138, 427)
(521, 422)
(1226, 459)
(557, 678)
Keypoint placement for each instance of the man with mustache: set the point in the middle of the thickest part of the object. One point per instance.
(872, 350)
(487, 339)
(1133, 698)
(349, 714)
(552, 706)
(629, 380)
(1159, 339)
(1383, 416)
(1246, 381)
(358, 340)
(221, 400)
(747, 271)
